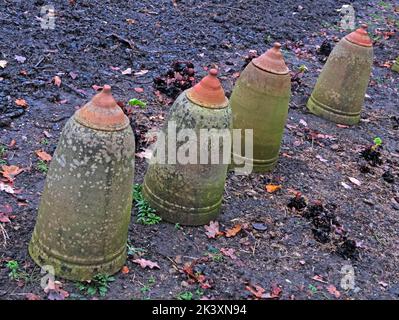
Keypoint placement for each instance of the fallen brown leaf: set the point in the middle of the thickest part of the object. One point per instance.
(10, 172)
(32, 296)
(271, 188)
(257, 291)
(43, 155)
(21, 103)
(333, 290)
(228, 253)
(146, 264)
(233, 231)
(212, 231)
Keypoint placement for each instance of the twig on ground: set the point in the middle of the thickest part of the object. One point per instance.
(4, 234)
(124, 40)
(79, 93)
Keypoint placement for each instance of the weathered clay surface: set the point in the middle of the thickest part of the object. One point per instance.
(84, 213)
(189, 194)
(395, 66)
(260, 102)
(341, 87)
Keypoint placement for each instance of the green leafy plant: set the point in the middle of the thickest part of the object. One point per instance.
(377, 141)
(42, 166)
(131, 251)
(145, 215)
(44, 141)
(313, 289)
(178, 226)
(3, 151)
(15, 272)
(302, 68)
(146, 288)
(218, 257)
(186, 295)
(199, 293)
(137, 102)
(13, 267)
(98, 285)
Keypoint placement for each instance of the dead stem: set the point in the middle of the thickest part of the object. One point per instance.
(4, 234)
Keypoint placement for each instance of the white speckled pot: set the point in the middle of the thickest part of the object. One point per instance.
(85, 208)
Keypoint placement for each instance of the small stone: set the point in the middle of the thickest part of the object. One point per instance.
(334, 147)
(259, 226)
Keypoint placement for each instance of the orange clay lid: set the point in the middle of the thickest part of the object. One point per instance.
(360, 37)
(272, 61)
(208, 92)
(102, 112)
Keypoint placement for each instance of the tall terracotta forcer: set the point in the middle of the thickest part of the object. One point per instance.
(259, 102)
(190, 192)
(341, 87)
(85, 208)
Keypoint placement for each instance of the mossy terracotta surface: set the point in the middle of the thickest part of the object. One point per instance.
(189, 194)
(341, 87)
(85, 209)
(260, 102)
(395, 66)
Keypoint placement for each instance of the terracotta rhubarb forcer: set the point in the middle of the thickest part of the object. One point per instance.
(341, 87)
(85, 208)
(260, 102)
(191, 192)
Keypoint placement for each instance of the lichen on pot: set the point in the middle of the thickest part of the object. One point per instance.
(341, 87)
(190, 192)
(85, 208)
(259, 102)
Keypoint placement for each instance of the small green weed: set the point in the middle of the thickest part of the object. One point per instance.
(145, 214)
(42, 166)
(98, 285)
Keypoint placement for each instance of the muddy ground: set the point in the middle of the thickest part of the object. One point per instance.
(94, 41)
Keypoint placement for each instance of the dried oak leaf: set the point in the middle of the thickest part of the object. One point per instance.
(146, 263)
(10, 172)
(43, 155)
(212, 231)
(21, 103)
(271, 188)
(257, 291)
(274, 294)
(333, 290)
(32, 296)
(233, 231)
(55, 291)
(229, 252)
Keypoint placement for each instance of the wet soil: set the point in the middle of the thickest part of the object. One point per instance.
(297, 253)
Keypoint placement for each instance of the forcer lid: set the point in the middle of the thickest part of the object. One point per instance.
(360, 37)
(102, 112)
(272, 61)
(208, 92)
